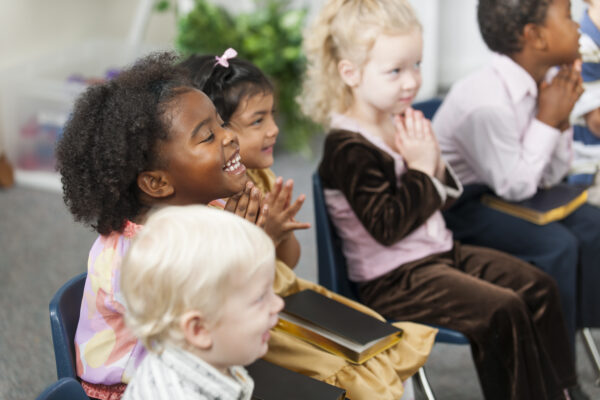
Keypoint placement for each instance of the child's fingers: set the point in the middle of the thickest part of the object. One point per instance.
(418, 118)
(292, 210)
(242, 204)
(295, 225)
(262, 216)
(399, 124)
(409, 123)
(276, 188)
(288, 189)
(253, 205)
(232, 202)
(428, 130)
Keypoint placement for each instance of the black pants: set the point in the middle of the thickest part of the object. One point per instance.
(509, 310)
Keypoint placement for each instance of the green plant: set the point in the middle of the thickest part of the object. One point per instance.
(270, 37)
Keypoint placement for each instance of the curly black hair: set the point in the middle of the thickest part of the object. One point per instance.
(112, 136)
(226, 86)
(501, 22)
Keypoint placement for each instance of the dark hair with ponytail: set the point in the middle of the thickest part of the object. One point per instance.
(226, 86)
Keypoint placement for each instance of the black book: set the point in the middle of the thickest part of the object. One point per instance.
(272, 382)
(546, 206)
(336, 327)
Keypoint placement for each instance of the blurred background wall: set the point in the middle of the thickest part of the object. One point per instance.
(453, 46)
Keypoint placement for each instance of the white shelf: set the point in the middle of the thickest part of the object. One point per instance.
(38, 179)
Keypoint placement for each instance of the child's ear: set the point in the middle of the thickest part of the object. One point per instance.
(349, 72)
(534, 35)
(155, 184)
(195, 330)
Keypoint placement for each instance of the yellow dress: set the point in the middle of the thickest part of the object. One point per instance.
(378, 378)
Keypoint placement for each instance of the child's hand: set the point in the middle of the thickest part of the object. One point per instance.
(249, 205)
(592, 120)
(557, 98)
(416, 142)
(280, 222)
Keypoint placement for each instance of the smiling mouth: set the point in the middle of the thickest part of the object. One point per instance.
(233, 164)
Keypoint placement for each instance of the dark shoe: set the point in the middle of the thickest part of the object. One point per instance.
(577, 393)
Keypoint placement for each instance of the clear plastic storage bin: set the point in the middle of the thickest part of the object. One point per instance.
(36, 99)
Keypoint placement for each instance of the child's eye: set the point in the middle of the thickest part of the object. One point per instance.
(417, 65)
(395, 71)
(262, 297)
(209, 138)
(257, 122)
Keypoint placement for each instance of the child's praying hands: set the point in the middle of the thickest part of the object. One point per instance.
(416, 142)
(557, 98)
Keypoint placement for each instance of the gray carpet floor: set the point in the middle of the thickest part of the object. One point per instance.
(41, 247)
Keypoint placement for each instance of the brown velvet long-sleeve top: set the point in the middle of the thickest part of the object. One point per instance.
(386, 214)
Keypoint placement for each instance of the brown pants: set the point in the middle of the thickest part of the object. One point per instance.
(509, 310)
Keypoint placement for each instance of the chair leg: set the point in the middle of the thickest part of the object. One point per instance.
(423, 383)
(590, 345)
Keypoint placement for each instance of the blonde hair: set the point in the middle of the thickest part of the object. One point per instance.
(184, 259)
(345, 29)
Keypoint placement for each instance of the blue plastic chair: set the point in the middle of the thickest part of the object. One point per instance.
(64, 316)
(63, 389)
(428, 107)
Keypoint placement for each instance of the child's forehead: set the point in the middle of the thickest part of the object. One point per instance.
(252, 101)
(191, 103)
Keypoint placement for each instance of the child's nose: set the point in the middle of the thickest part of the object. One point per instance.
(273, 130)
(412, 80)
(229, 136)
(277, 304)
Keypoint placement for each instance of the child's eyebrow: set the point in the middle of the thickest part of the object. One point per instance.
(199, 126)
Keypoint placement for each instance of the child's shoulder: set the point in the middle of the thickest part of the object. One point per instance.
(342, 139)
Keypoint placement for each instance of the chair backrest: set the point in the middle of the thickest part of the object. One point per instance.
(63, 389)
(333, 272)
(64, 316)
(428, 107)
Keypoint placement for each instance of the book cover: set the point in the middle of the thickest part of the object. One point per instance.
(546, 206)
(272, 382)
(336, 327)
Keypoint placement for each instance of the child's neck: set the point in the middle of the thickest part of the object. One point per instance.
(534, 67)
(376, 122)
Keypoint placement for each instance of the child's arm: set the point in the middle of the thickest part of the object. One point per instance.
(367, 178)
(280, 223)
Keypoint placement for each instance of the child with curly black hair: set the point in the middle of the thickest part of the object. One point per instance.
(145, 138)
(245, 99)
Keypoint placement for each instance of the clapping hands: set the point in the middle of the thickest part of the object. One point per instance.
(280, 221)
